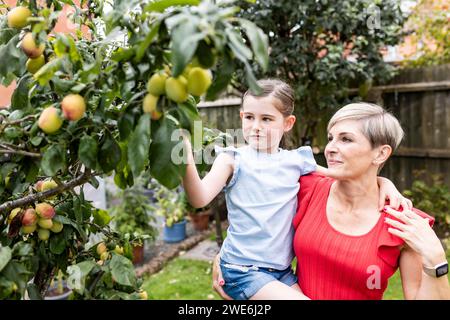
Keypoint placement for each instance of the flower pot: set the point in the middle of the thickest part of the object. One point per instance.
(175, 233)
(138, 254)
(54, 294)
(200, 220)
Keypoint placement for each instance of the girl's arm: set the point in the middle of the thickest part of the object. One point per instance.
(322, 170)
(201, 192)
(388, 191)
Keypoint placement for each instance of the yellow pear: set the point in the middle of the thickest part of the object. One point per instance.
(33, 65)
(17, 17)
(150, 102)
(199, 81)
(157, 84)
(176, 89)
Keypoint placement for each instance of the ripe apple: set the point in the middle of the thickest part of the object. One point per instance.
(150, 102)
(176, 89)
(101, 248)
(43, 234)
(48, 184)
(45, 223)
(57, 227)
(29, 217)
(45, 210)
(30, 48)
(73, 107)
(157, 84)
(17, 17)
(28, 229)
(49, 120)
(33, 65)
(199, 81)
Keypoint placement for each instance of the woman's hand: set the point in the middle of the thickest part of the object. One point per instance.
(418, 235)
(218, 281)
(388, 191)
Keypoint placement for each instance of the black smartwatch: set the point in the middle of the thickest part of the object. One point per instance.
(437, 271)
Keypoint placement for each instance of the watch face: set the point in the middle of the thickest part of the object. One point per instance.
(442, 270)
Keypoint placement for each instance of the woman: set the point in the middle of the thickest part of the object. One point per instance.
(345, 247)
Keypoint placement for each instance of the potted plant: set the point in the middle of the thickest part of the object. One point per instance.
(171, 206)
(134, 215)
(199, 217)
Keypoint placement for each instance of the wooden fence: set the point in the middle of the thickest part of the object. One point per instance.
(419, 98)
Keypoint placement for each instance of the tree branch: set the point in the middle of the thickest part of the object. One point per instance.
(24, 153)
(83, 178)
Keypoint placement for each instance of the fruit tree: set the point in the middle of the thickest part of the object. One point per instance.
(100, 104)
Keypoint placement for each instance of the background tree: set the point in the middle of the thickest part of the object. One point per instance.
(428, 33)
(84, 107)
(323, 48)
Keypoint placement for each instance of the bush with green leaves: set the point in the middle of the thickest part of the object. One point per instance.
(82, 111)
(134, 214)
(433, 198)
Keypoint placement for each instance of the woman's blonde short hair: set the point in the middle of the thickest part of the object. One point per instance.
(378, 125)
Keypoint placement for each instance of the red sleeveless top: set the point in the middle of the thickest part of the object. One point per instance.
(332, 265)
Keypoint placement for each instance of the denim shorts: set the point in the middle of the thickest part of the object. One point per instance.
(242, 282)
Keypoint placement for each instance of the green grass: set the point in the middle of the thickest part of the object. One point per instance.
(394, 290)
(191, 279)
(181, 279)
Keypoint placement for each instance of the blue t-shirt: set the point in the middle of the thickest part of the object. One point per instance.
(261, 199)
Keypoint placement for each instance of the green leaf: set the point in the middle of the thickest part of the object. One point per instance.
(5, 256)
(259, 42)
(222, 78)
(19, 98)
(122, 271)
(144, 44)
(57, 243)
(237, 45)
(6, 33)
(126, 124)
(15, 58)
(161, 166)
(160, 6)
(78, 274)
(47, 71)
(101, 217)
(139, 144)
(87, 151)
(22, 249)
(33, 292)
(109, 154)
(185, 38)
(53, 160)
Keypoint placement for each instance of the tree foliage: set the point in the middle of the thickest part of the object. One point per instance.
(109, 67)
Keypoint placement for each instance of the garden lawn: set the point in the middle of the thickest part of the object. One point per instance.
(191, 280)
(181, 279)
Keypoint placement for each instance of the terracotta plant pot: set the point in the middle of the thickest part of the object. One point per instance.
(138, 254)
(200, 220)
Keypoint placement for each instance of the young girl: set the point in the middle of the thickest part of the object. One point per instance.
(261, 182)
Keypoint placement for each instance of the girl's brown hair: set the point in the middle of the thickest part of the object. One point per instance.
(280, 90)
